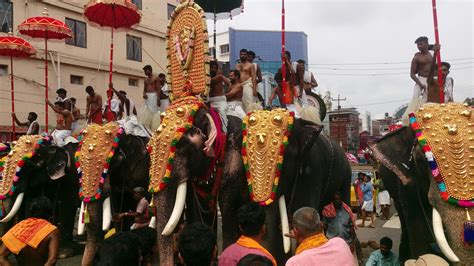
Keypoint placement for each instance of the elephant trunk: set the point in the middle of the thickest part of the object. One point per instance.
(15, 208)
(285, 226)
(441, 238)
(164, 243)
(94, 232)
(177, 209)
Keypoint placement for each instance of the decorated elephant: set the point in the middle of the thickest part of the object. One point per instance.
(109, 165)
(35, 167)
(290, 162)
(428, 169)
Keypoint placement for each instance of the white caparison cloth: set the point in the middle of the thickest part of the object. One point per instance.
(417, 93)
(235, 108)
(132, 127)
(249, 102)
(384, 198)
(149, 116)
(60, 136)
(165, 90)
(368, 205)
(220, 104)
(164, 104)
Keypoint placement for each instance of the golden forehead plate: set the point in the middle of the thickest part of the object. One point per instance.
(447, 131)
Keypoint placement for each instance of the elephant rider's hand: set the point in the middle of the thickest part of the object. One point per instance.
(118, 217)
(291, 234)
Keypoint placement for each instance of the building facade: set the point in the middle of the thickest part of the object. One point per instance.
(344, 128)
(82, 60)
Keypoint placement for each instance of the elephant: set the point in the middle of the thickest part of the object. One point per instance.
(47, 173)
(407, 175)
(186, 187)
(314, 168)
(128, 169)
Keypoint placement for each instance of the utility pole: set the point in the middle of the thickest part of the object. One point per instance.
(338, 100)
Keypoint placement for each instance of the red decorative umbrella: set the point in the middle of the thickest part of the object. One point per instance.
(45, 28)
(14, 47)
(115, 14)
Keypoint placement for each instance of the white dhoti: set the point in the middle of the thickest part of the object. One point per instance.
(149, 116)
(250, 103)
(60, 136)
(368, 205)
(417, 93)
(384, 198)
(235, 109)
(132, 127)
(164, 103)
(220, 104)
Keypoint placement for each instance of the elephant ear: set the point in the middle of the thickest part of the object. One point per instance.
(394, 151)
(306, 134)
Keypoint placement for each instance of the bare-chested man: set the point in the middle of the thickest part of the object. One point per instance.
(234, 96)
(34, 241)
(248, 78)
(250, 57)
(217, 98)
(63, 123)
(93, 106)
(420, 68)
(150, 115)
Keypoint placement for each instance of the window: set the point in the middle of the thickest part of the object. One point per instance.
(6, 16)
(77, 80)
(3, 70)
(224, 48)
(138, 3)
(79, 33)
(133, 82)
(170, 10)
(134, 48)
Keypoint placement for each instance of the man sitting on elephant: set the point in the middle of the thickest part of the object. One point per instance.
(313, 246)
(34, 241)
(252, 224)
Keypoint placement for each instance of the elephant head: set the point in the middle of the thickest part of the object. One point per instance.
(436, 155)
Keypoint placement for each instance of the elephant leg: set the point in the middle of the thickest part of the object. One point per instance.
(404, 248)
(94, 233)
(164, 202)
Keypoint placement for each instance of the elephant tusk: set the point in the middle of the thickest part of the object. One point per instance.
(106, 214)
(152, 223)
(285, 227)
(80, 224)
(15, 208)
(441, 238)
(177, 210)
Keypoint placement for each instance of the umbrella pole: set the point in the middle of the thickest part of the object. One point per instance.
(13, 97)
(438, 55)
(46, 81)
(285, 88)
(109, 94)
(215, 35)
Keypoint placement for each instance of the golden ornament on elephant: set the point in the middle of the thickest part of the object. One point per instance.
(264, 139)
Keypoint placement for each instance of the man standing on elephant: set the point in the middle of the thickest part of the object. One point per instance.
(420, 68)
(313, 246)
(252, 224)
(368, 205)
(234, 96)
(63, 123)
(34, 241)
(248, 78)
(217, 97)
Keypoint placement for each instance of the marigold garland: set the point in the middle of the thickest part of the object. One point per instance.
(434, 166)
(279, 160)
(20, 165)
(77, 157)
(180, 131)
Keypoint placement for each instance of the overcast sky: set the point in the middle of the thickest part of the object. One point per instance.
(346, 37)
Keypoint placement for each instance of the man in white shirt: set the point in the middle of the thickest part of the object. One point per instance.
(448, 82)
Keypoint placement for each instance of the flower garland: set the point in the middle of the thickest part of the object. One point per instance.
(20, 165)
(434, 166)
(77, 157)
(279, 160)
(180, 131)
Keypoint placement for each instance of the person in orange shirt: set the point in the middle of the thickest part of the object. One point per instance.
(34, 241)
